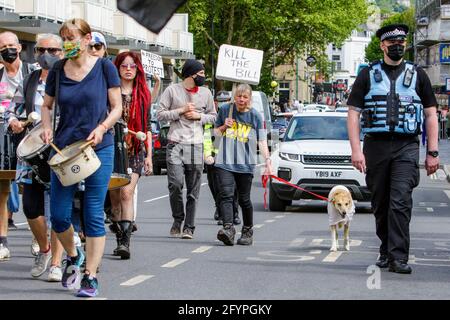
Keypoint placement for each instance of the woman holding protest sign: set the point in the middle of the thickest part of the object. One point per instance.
(136, 100)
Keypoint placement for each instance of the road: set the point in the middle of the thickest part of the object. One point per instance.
(290, 258)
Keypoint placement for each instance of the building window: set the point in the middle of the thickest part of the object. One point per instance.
(284, 85)
(338, 66)
(336, 58)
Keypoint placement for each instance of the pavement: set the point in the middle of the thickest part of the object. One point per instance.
(444, 156)
(290, 258)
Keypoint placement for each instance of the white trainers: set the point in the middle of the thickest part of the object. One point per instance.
(76, 239)
(55, 274)
(40, 264)
(4, 253)
(34, 247)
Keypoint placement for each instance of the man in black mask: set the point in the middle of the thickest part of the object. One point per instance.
(388, 101)
(188, 106)
(10, 76)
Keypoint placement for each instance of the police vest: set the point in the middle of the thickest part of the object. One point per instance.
(392, 105)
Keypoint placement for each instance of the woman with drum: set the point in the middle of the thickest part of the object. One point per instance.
(83, 84)
(136, 101)
(27, 103)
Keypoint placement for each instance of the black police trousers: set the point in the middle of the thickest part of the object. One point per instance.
(392, 173)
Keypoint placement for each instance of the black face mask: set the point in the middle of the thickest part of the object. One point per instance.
(46, 61)
(199, 81)
(396, 52)
(9, 55)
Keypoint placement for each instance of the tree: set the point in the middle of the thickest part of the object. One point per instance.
(373, 51)
(298, 27)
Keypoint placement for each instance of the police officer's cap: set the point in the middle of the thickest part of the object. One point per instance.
(393, 32)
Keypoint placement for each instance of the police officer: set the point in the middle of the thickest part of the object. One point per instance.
(388, 102)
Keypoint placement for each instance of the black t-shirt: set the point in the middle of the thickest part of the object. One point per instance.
(361, 87)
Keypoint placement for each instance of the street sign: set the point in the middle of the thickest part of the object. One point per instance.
(311, 61)
(152, 63)
(239, 64)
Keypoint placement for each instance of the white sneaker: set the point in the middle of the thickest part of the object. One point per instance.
(40, 264)
(34, 247)
(4, 253)
(55, 274)
(76, 239)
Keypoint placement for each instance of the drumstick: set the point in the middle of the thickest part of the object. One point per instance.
(86, 144)
(139, 135)
(57, 150)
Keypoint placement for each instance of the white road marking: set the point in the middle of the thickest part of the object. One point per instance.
(316, 242)
(202, 249)
(430, 209)
(174, 263)
(447, 192)
(315, 252)
(269, 221)
(155, 199)
(355, 243)
(279, 217)
(332, 257)
(136, 280)
(96, 298)
(258, 226)
(21, 224)
(166, 196)
(297, 242)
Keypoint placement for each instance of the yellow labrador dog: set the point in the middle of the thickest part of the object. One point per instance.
(340, 212)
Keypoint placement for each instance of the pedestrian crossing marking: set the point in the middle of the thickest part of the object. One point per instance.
(332, 257)
(202, 249)
(136, 280)
(174, 263)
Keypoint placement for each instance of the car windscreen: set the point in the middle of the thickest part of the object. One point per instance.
(317, 128)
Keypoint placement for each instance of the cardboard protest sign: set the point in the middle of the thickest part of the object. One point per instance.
(152, 63)
(239, 64)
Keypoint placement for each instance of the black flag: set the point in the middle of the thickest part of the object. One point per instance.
(152, 14)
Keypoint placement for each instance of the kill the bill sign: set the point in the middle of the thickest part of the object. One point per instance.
(239, 64)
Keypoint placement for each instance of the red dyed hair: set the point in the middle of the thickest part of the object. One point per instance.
(141, 98)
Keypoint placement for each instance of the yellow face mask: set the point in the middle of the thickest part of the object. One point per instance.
(72, 49)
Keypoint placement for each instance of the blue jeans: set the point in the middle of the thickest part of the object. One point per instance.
(13, 199)
(61, 198)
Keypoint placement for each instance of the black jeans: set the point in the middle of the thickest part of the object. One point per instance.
(392, 174)
(214, 188)
(229, 181)
(184, 162)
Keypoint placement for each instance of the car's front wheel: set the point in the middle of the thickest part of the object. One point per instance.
(275, 203)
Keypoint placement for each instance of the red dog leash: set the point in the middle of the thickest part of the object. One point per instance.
(265, 179)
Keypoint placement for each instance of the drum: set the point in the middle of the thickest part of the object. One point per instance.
(121, 175)
(77, 162)
(36, 153)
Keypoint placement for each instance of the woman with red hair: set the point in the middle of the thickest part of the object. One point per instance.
(136, 100)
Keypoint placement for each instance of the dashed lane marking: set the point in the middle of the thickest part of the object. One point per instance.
(315, 252)
(202, 249)
(21, 224)
(166, 196)
(136, 280)
(297, 242)
(279, 217)
(258, 226)
(316, 242)
(174, 263)
(332, 257)
(430, 209)
(269, 221)
(96, 298)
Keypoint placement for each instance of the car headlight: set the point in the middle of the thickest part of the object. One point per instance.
(290, 156)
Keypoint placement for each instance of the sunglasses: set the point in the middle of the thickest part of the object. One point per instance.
(126, 66)
(52, 51)
(96, 46)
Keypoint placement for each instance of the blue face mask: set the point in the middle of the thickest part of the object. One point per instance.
(47, 61)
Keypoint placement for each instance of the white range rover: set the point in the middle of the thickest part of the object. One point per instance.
(315, 155)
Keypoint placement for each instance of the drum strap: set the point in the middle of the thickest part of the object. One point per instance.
(30, 84)
(58, 67)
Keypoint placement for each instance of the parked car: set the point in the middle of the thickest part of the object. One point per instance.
(159, 149)
(317, 107)
(315, 154)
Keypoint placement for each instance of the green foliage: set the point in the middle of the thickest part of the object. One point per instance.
(373, 51)
(298, 27)
(389, 6)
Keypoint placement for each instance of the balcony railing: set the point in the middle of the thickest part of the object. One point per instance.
(54, 10)
(182, 41)
(8, 4)
(99, 16)
(164, 38)
(126, 27)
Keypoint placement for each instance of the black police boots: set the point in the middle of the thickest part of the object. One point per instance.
(382, 261)
(399, 266)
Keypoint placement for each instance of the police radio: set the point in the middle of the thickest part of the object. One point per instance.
(378, 76)
(408, 78)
